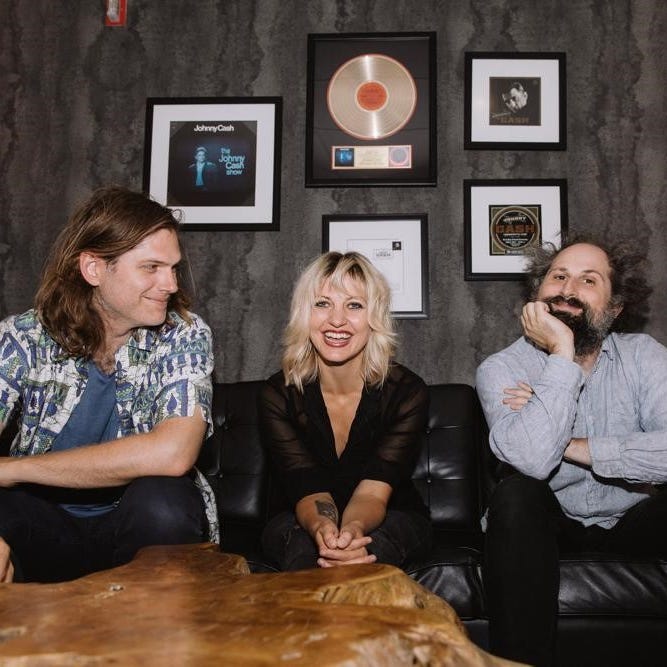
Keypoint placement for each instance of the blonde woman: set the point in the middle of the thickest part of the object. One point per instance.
(343, 426)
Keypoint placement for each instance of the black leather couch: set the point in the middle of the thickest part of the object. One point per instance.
(613, 611)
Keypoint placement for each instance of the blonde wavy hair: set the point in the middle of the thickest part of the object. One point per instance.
(299, 363)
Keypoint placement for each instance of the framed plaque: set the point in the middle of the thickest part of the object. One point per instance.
(397, 245)
(515, 101)
(504, 219)
(371, 109)
(217, 159)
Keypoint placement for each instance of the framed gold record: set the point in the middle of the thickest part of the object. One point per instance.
(371, 96)
(371, 109)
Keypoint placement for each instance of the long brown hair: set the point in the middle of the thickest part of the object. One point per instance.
(113, 221)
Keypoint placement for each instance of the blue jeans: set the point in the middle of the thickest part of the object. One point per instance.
(48, 544)
(527, 531)
(399, 539)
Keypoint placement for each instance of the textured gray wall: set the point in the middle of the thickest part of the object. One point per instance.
(72, 104)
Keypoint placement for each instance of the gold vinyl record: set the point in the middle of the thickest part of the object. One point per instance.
(371, 96)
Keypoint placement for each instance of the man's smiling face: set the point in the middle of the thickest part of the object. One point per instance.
(577, 287)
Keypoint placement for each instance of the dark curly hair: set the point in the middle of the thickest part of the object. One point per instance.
(629, 286)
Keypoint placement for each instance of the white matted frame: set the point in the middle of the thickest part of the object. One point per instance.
(505, 218)
(515, 101)
(397, 245)
(238, 186)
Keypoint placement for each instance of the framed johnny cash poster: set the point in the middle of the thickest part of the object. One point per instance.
(371, 109)
(515, 101)
(397, 245)
(504, 219)
(215, 159)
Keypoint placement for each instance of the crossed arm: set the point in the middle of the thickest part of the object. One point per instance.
(531, 417)
(577, 450)
(531, 420)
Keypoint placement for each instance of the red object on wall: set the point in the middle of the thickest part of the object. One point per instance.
(116, 13)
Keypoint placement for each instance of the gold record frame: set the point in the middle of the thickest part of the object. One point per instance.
(371, 109)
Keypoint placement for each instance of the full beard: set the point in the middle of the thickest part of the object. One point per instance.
(589, 331)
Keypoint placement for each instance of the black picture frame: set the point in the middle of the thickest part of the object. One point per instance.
(396, 244)
(232, 189)
(515, 101)
(371, 109)
(505, 217)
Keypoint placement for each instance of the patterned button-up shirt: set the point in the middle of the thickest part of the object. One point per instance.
(160, 373)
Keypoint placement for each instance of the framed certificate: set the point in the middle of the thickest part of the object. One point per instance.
(371, 109)
(397, 245)
(504, 219)
(217, 159)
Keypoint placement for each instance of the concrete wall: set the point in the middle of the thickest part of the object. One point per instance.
(72, 105)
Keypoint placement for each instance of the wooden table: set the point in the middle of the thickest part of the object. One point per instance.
(192, 605)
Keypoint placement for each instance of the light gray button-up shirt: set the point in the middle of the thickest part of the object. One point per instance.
(621, 407)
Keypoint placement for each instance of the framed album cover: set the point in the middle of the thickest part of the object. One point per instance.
(504, 219)
(217, 159)
(515, 101)
(371, 109)
(396, 244)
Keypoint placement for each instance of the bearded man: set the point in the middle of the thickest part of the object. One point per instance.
(579, 411)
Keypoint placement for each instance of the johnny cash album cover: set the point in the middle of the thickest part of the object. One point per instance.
(212, 163)
(515, 101)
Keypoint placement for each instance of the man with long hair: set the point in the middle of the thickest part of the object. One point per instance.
(108, 379)
(577, 407)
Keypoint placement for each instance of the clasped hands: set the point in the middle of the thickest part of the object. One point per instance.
(344, 546)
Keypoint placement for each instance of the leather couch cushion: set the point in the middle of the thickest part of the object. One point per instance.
(454, 575)
(601, 584)
(446, 473)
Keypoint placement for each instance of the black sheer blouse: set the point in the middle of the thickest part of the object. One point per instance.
(384, 441)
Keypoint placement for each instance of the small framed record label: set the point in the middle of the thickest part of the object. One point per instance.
(201, 156)
(504, 219)
(514, 228)
(515, 101)
(371, 111)
(397, 245)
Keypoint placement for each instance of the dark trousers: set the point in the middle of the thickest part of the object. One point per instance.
(48, 544)
(399, 539)
(526, 532)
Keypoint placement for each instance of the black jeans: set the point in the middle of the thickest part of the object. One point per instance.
(526, 532)
(400, 538)
(48, 544)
